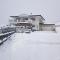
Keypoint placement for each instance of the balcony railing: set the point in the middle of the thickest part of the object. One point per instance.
(21, 21)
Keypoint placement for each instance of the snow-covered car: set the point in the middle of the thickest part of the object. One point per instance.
(28, 31)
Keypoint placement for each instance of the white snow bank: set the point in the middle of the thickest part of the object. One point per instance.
(42, 36)
(36, 46)
(32, 46)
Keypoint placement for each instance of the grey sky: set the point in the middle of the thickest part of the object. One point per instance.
(49, 9)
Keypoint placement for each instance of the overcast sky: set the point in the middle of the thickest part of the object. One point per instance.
(49, 9)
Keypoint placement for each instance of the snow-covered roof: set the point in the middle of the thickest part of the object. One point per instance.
(23, 15)
(26, 15)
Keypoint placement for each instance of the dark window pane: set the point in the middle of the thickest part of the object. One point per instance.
(25, 18)
(33, 18)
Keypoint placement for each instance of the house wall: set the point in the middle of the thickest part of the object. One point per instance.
(36, 22)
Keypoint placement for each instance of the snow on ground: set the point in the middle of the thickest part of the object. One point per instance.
(32, 46)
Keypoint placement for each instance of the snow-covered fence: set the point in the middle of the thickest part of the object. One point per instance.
(6, 29)
(5, 33)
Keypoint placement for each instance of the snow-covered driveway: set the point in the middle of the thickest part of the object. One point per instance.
(33, 46)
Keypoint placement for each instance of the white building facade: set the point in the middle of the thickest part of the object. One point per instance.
(32, 22)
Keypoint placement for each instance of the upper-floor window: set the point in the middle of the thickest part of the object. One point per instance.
(25, 18)
(32, 18)
(22, 20)
(15, 20)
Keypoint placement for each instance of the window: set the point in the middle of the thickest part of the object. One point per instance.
(33, 25)
(32, 18)
(23, 21)
(18, 20)
(15, 20)
(25, 18)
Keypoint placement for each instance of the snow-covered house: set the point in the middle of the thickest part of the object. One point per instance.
(32, 22)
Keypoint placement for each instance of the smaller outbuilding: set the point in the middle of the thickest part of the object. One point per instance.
(47, 27)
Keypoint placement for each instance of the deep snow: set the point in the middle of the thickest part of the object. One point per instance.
(32, 46)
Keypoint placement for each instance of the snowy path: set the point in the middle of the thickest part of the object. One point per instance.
(33, 46)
